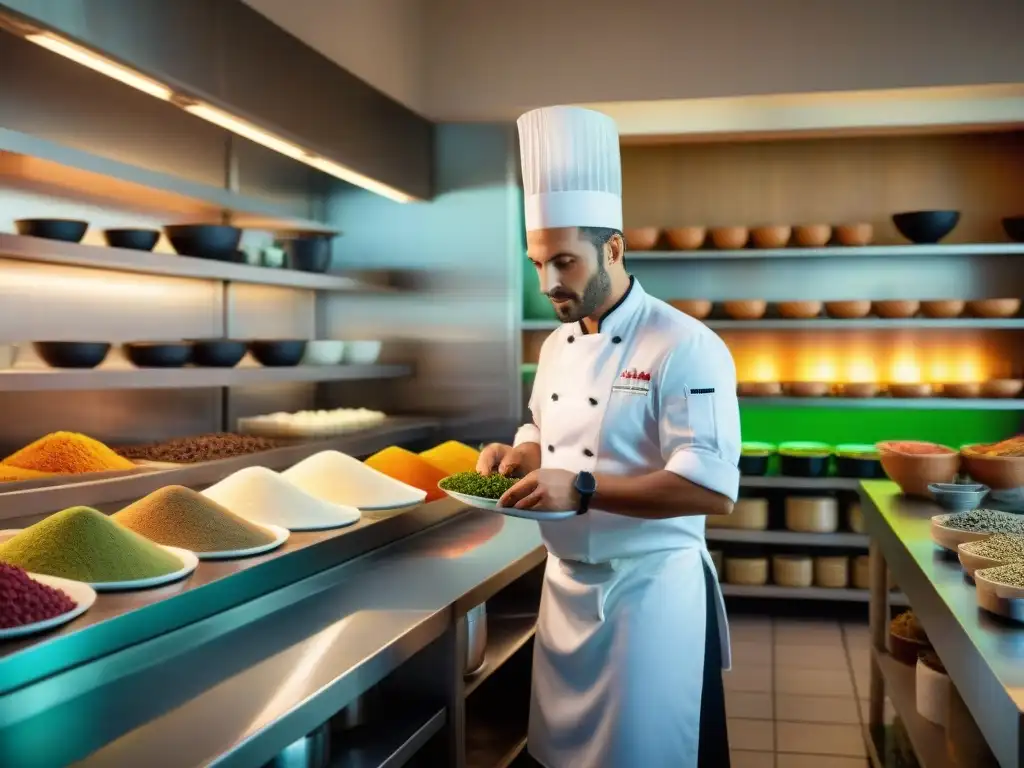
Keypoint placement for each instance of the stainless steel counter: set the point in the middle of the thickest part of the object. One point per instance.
(237, 687)
(983, 654)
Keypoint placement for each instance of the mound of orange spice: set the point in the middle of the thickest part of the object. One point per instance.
(66, 453)
(409, 468)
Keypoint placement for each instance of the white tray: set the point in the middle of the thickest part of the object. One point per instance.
(280, 537)
(492, 505)
(82, 594)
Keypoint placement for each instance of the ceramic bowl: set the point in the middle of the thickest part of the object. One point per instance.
(324, 352)
(750, 309)
(66, 230)
(278, 353)
(729, 238)
(800, 310)
(759, 389)
(812, 235)
(914, 465)
(958, 497)
(848, 310)
(997, 472)
(72, 354)
(158, 354)
(698, 308)
(771, 236)
(685, 238)
(896, 309)
(806, 388)
(962, 390)
(951, 538)
(917, 389)
(994, 308)
(132, 239)
(1014, 228)
(1000, 388)
(205, 241)
(362, 352)
(859, 389)
(856, 234)
(218, 353)
(640, 238)
(925, 226)
(943, 308)
(972, 562)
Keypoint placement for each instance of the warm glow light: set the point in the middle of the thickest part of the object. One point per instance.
(819, 369)
(246, 130)
(99, 64)
(763, 370)
(354, 177)
(861, 370)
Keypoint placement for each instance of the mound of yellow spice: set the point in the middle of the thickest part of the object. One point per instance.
(15, 474)
(453, 457)
(67, 453)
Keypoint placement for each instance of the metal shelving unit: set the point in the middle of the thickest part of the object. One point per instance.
(776, 482)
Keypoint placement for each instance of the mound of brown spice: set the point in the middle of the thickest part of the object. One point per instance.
(191, 450)
(176, 516)
(67, 453)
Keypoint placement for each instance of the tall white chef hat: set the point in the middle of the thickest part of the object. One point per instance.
(572, 175)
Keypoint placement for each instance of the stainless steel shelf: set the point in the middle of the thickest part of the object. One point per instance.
(830, 323)
(895, 403)
(54, 379)
(391, 744)
(800, 483)
(842, 539)
(966, 249)
(505, 636)
(39, 250)
(773, 591)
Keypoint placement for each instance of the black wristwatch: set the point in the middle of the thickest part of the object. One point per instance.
(586, 487)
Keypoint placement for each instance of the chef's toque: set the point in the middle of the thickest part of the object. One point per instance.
(572, 176)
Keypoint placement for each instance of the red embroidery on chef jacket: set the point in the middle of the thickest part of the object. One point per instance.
(633, 382)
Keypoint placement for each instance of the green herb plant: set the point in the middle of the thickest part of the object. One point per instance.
(491, 486)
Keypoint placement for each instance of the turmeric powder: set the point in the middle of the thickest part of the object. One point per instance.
(409, 468)
(67, 453)
(14, 474)
(452, 457)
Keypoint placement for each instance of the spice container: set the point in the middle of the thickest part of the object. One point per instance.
(861, 567)
(855, 517)
(907, 638)
(792, 570)
(746, 571)
(804, 459)
(932, 689)
(812, 514)
(747, 514)
(832, 571)
(863, 461)
(754, 458)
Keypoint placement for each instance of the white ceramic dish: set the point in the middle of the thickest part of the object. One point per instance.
(82, 594)
(972, 562)
(280, 537)
(324, 352)
(362, 352)
(951, 538)
(492, 505)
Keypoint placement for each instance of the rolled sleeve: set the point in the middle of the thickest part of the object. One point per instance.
(528, 433)
(698, 419)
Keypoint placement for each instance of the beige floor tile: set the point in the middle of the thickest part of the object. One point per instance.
(749, 680)
(816, 739)
(750, 629)
(857, 633)
(818, 761)
(814, 682)
(890, 713)
(816, 709)
(811, 656)
(752, 654)
(862, 682)
(753, 706)
(741, 758)
(790, 632)
(752, 735)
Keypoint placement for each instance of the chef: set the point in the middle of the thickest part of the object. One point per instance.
(636, 427)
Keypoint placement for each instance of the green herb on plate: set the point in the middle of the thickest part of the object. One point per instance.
(491, 486)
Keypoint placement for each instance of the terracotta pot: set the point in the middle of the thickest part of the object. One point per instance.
(641, 238)
(1002, 388)
(771, 236)
(729, 238)
(914, 472)
(965, 389)
(860, 233)
(800, 310)
(859, 389)
(998, 472)
(812, 235)
(848, 310)
(759, 389)
(698, 308)
(994, 307)
(896, 309)
(746, 310)
(686, 238)
(910, 390)
(943, 308)
(806, 388)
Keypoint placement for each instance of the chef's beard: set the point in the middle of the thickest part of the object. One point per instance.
(595, 294)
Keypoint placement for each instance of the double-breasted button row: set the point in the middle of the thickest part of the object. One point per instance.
(591, 400)
(586, 451)
(615, 339)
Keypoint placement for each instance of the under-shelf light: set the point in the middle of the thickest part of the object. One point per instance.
(100, 64)
(246, 130)
(354, 177)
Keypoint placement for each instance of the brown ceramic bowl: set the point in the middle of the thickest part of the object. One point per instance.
(759, 389)
(964, 389)
(910, 390)
(806, 388)
(686, 238)
(746, 310)
(860, 233)
(812, 235)
(998, 472)
(994, 307)
(771, 235)
(913, 465)
(859, 389)
(729, 238)
(641, 238)
(943, 308)
(698, 308)
(896, 309)
(799, 310)
(997, 388)
(848, 310)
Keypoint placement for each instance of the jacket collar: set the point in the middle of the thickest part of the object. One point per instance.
(620, 314)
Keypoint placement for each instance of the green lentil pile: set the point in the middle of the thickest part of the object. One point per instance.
(986, 521)
(1006, 547)
(491, 486)
(1011, 574)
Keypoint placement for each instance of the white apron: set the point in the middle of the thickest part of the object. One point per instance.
(619, 654)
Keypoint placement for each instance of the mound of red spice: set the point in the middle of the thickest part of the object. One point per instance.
(25, 601)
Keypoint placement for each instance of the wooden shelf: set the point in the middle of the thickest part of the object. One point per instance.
(840, 539)
(775, 592)
(800, 483)
(831, 323)
(894, 403)
(966, 249)
(505, 636)
(389, 745)
(44, 251)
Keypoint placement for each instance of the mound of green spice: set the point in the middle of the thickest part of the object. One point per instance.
(491, 486)
(83, 544)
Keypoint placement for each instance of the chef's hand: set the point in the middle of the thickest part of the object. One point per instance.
(544, 490)
(507, 460)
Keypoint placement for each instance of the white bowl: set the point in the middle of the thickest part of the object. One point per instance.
(323, 352)
(362, 352)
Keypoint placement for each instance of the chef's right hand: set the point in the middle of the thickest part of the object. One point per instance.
(498, 457)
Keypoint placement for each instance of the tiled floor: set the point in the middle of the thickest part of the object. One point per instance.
(797, 693)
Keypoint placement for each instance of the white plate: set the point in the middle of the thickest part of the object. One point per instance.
(82, 594)
(280, 537)
(188, 559)
(951, 538)
(492, 505)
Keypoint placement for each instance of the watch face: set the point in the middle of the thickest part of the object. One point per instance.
(585, 483)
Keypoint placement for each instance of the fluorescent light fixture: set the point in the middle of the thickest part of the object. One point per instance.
(99, 64)
(354, 177)
(247, 130)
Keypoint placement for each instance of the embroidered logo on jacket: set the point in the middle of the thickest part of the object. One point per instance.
(703, 391)
(633, 382)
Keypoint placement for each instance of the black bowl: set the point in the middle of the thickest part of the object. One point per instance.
(205, 241)
(278, 354)
(159, 354)
(72, 354)
(925, 226)
(1014, 228)
(850, 466)
(133, 239)
(218, 353)
(68, 230)
(308, 254)
(754, 465)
